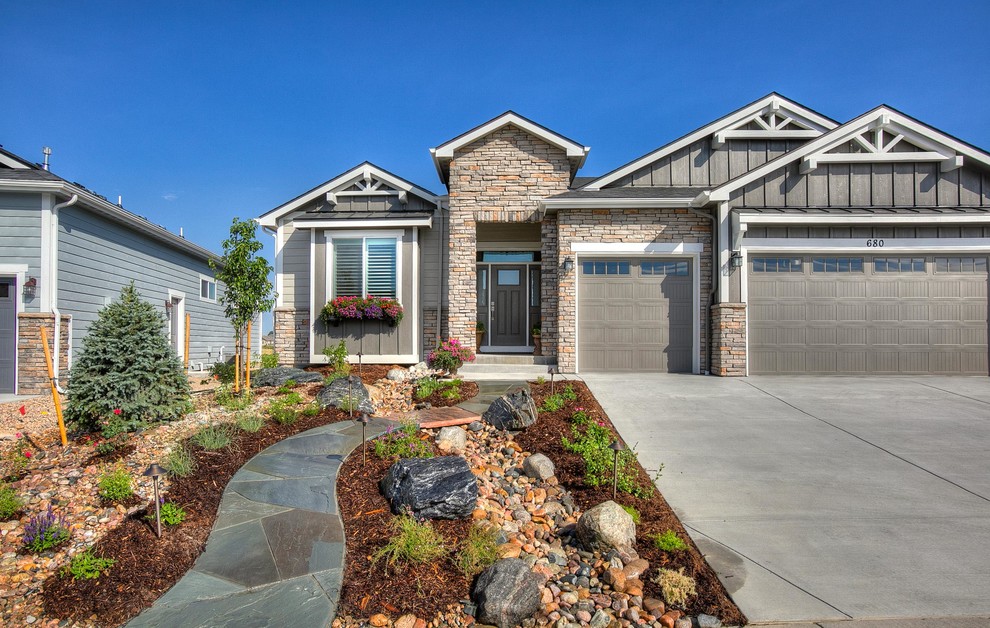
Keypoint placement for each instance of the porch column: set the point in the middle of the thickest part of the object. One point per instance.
(462, 283)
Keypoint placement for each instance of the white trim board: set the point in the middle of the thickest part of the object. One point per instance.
(890, 245)
(857, 219)
(345, 223)
(181, 344)
(570, 147)
(615, 203)
(690, 250)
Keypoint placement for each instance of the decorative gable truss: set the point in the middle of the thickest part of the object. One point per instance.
(775, 121)
(369, 185)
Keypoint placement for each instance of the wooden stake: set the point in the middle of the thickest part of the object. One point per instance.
(185, 356)
(237, 364)
(51, 380)
(247, 371)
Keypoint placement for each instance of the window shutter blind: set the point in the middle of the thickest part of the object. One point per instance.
(381, 267)
(347, 262)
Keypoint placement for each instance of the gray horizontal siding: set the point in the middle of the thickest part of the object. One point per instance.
(867, 231)
(434, 258)
(295, 267)
(376, 204)
(699, 165)
(20, 236)
(97, 257)
(920, 184)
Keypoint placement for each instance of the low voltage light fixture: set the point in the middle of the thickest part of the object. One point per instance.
(154, 471)
(616, 447)
(364, 437)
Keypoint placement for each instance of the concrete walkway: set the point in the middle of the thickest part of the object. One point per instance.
(825, 499)
(275, 556)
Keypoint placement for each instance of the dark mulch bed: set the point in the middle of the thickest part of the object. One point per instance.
(466, 390)
(424, 590)
(370, 373)
(146, 566)
(656, 515)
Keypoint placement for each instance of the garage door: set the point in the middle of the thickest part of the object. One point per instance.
(868, 314)
(635, 315)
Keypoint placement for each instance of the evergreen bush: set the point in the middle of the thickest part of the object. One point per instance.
(127, 373)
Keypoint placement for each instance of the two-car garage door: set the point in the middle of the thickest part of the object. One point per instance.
(882, 314)
(635, 314)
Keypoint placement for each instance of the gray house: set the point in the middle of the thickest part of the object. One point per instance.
(772, 240)
(65, 253)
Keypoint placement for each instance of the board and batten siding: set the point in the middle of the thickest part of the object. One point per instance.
(20, 237)
(295, 266)
(699, 165)
(371, 338)
(919, 184)
(98, 256)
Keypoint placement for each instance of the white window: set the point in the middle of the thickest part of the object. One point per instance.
(365, 266)
(207, 289)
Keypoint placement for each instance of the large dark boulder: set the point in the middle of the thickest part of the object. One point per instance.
(339, 391)
(278, 375)
(431, 488)
(514, 410)
(507, 593)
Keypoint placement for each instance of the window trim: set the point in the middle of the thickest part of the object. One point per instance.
(213, 281)
(345, 234)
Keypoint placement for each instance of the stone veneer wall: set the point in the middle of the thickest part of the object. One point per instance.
(430, 340)
(292, 336)
(626, 226)
(500, 178)
(729, 339)
(32, 372)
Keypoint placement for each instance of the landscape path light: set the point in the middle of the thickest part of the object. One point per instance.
(553, 371)
(616, 447)
(154, 471)
(364, 438)
(360, 366)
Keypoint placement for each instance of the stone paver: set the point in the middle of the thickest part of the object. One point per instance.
(275, 556)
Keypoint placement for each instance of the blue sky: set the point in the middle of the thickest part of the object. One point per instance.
(196, 112)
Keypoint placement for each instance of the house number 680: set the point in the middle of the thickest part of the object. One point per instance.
(874, 243)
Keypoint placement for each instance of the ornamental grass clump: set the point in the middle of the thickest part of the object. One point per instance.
(11, 504)
(87, 566)
(250, 422)
(675, 586)
(450, 355)
(45, 531)
(180, 462)
(414, 543)
(478, 551)
(115, 485)
(213, 437)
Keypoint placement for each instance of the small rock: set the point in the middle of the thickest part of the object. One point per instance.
(398, 375)
(708, 621)
(636, 568)
(683, 622)
(583, 616)
(539, 467)
(378, 620)
(601, 619)
(451, 438)
(653, 606)
(406, 621)
(607, 526)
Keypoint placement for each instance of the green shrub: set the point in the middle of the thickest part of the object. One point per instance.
(269, 360)
(669, 542)
(675, 586)
(402, 443)
(553, 403)
(478, 550)
(180, 462)
(311, 409)
(281, 413)
(337, 356)
(115, 485)
(414, 543)
(127, 370)
(632, 513)
(568, 394)
(10, 503)
(213, 437)
(330, 377)
(349, 403)
(287, 387)
(87, 566)
(223, 372)
(292, 399)
(226, 398)
(541, 380)
(250, 422)
(172, 514)
(593, 443)
(426, 386)
(453, 394)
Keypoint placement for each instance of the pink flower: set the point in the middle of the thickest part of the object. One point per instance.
(116, 410)
(27, 454)
(19, 435)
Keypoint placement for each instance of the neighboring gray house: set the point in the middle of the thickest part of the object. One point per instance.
(66, 251)
(772, 240)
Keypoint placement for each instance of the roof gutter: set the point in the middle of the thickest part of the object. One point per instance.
(53, 253)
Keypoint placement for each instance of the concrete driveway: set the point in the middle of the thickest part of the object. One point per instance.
(824, 499)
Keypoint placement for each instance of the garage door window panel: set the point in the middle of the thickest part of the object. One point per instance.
(898, 264)
(837, 265)
(778, 265)
(970, 265)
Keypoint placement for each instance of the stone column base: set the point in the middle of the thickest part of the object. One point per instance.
(729, 339)
(32, 372)
(292, 336)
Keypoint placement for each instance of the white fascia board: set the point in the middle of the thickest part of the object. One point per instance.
(572, 149)
(775, 219)
(270, 219)
(880, 117)
(859, 245)
(32, 186)
(637, 248)
(363, 224)
(615, 203)
(705, 131)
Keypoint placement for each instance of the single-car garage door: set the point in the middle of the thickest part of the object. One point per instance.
(883, 314)
(635, 315)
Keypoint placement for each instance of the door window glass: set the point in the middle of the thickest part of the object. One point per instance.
(508, 277)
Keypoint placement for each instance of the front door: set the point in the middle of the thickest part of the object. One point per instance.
(508, 309)
(8, 334)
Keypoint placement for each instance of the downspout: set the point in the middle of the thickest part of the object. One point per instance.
(712, 290)
(57, 335)
(440, 274)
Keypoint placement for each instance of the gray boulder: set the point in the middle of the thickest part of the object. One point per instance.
(452, 438)
(431, 488)
(607, 526)
(341, 390)
(507, 593)
(708, 621)
(514, 410)
(397, 375)
(539, 467)
(278, 375)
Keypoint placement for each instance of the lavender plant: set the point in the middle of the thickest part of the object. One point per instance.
(45, 531)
